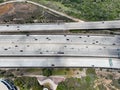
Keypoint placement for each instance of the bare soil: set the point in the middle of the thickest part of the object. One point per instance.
(27, 13)
(5, 8)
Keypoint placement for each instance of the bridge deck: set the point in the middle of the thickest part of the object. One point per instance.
(60, 26)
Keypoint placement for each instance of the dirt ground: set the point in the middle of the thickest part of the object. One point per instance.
(27, 13)
(109, 79)
(5, 8)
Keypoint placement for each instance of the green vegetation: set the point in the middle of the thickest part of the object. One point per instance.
(1, 1)
(27, 83)
(5, 74)
(56, 71)
(61, 71)
(101, 87)
(116, 83)
(85, 83)
(47, 85)
(119, 81)
(33, 69)
(88, 79)
(70, 84)
(47, 72)
(81, 69)
(90, 71)
(76, 84)
(91, 10)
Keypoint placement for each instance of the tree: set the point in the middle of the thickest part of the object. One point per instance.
(27, 83)
(47, 72)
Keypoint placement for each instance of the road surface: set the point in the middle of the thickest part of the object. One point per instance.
(60, 26)
(58, 62)
(60, 45)
(59, 51)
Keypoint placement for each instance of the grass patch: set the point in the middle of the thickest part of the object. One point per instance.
(33, 70)
(59, 72)
(92, 10)
(116, 83)
(90, 71)
(81, 69)
(53, 4)
(77, 84)
(63, 71)
(27, 83)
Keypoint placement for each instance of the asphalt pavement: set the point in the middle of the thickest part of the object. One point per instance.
(60, 26)
(60, 45)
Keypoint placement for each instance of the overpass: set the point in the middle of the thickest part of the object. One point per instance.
(99, 25)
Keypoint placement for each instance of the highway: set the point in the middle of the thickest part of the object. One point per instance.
(99, 25)
(60, 45)
(59, 51)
